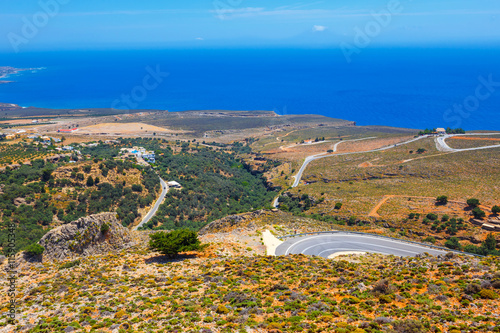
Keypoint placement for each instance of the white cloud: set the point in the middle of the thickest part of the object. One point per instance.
(319, 28)
(199, 38)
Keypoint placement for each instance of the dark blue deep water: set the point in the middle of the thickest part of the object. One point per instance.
(415, 88)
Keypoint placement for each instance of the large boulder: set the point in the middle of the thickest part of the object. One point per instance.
(85, 237)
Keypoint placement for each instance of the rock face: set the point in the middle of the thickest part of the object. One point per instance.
(84, 237)
(229, 221)
(19, 201)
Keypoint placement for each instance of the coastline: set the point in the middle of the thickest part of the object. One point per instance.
(6, 71)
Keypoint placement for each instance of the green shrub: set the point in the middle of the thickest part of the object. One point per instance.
(488, 294)
(473, 202)
(453, 243)
(35, 249)
(221, 309)
(105, 228)
(338, 205)
(70, 264)
(430, 239)
(90, 181)
(442, 200)
(137, 188)
(385, 299)
(432, 217)
(478, 213)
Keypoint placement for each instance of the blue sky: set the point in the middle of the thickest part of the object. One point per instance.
(239, 23)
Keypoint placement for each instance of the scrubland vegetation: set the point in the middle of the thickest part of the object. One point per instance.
(133, 291)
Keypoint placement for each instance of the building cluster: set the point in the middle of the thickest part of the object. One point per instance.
(45, 140)
(140, 153)
(89, 145)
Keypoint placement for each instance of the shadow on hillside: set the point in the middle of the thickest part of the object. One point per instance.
(161, 259)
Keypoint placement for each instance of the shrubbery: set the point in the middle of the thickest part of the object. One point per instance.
(453, 243)
(442, 200)
(214, 184)
(478, 213)
(172, 243)
(473, 202)
(105, 228)
(35, 249)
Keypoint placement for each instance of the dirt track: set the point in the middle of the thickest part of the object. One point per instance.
(374, 211)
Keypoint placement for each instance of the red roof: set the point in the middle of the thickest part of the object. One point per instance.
(67, 130)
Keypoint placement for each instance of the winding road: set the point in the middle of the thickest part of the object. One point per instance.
(309, 159)
(152, 212)
(329, 244)
(441, 144)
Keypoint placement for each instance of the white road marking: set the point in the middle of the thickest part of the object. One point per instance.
(374, 245)
(347, 235)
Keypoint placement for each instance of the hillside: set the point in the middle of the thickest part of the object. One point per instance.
(233, 287)
(394, 187)
(45, 194)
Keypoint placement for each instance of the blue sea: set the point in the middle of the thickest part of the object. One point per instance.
(405, 87)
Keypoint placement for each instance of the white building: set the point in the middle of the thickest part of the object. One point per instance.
(174, 184)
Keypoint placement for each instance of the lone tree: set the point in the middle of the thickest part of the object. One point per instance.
(442, 200)
(490, 244)
(473, 202)
(495, 210)
(171, 243)
(421, 150)
(90, 181)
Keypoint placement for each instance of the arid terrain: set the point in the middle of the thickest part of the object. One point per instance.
(232, 286)
(324, 174)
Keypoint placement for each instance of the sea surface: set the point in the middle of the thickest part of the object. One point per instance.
(405, 87)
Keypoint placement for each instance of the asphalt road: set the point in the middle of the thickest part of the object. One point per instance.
(152, 212)
(326, 245)
(309, 159)
(441, 144)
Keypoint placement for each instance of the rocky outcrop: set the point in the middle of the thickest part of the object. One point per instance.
(19, 201)
(86, 236)
(229, 221)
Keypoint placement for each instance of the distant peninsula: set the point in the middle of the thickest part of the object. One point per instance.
(5, 71)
